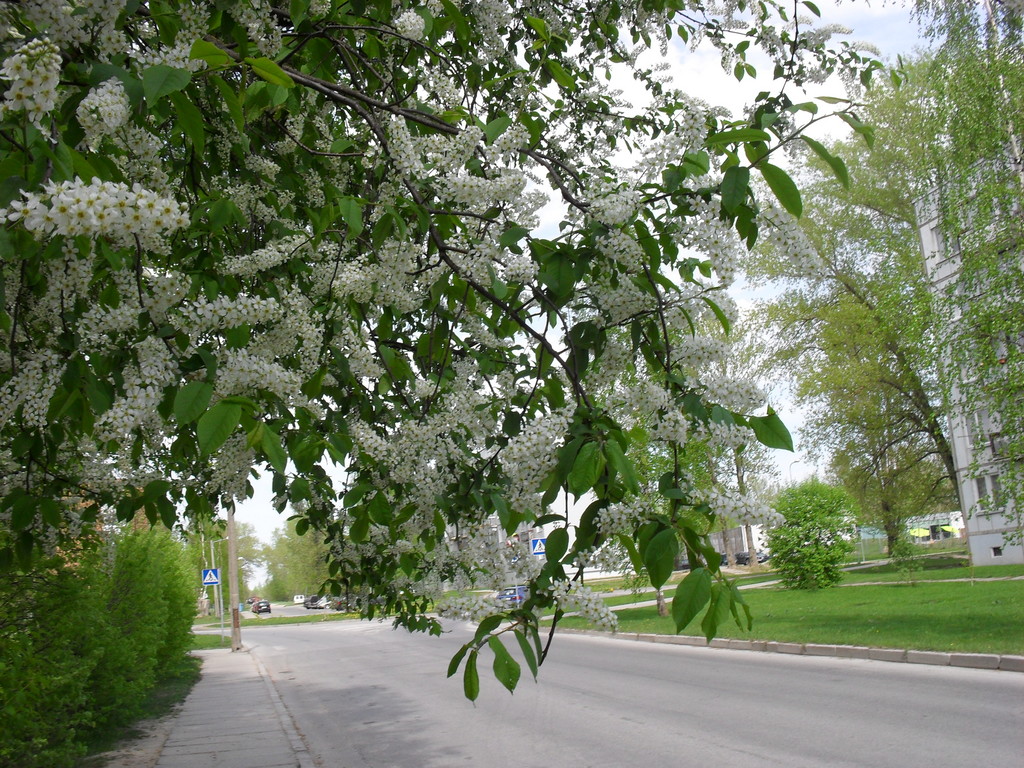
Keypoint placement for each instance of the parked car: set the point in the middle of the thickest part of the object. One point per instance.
(316, 601)
(299, 599)
(251, 600)
(514, 595)
(743, 558)
(261, 606)
(345, 605)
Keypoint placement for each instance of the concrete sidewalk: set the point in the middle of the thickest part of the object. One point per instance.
(232, 718)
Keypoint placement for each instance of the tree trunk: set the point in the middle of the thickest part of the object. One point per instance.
(751, 547)
(662, 605)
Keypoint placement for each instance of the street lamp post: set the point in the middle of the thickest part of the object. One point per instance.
(218, 594)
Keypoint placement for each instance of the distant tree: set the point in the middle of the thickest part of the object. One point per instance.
(856, 330)
(813, 541)
(977, 185)
(295, 564)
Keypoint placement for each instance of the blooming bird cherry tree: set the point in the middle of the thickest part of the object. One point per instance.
(305, 240)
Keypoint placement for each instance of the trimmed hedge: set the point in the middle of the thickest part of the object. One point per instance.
(84, 638)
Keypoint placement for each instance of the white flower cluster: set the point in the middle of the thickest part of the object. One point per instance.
(531, 455)
(741, 509)
(224, 312)
(473, 608)
(100, 209)
(103, 110)
(622, 517)
(493, 18)
(270, 255)
(709, 234)
(781, 231)
(621, 247)
(80, 22)
(738, 394)
(136, 408)
(242, 373)
(31, 388)
(670, 427)
(616, 208)
(232, 464)
(466, 189)
(572, 596)
(100, 324)
(622, 301)
(410, 24)
(727, 436)
(33, 71)
(402, 147)
(700, 352)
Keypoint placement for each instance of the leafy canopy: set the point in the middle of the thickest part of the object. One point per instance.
(304, 241)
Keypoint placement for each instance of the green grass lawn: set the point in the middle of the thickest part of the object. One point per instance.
(985, 617)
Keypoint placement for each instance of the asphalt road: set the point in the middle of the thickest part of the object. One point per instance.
(366, 696)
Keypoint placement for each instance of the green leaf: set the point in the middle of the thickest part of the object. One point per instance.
(618, 461)
(735, 187)
(784, 188)
(835, 163)
(270, 442)
(586, 469)
(191, 120)
(270, 71)
(471, 678)
(487, 625)
(160, 80)
(528, 652)
(231, 101)
(210, 53)
(453, 665)
(380, 509)
(660, 556)
(560, 75)
(691, 596)
(496, 127)
(352, 211)
(359, 529)
(506, 669)
(216, 425)
(191, 401)
(865, 130)
(556, 545)
(770, 431)
(23, 512)
(718, 612)
(512, 235)
(540, 27)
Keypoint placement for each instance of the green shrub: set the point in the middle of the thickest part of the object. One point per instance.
(811, 545)
(84, 637)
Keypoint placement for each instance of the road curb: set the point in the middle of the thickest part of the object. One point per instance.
(991, 661)
(291, 731)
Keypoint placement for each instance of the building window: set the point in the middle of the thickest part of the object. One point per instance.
(997, 551)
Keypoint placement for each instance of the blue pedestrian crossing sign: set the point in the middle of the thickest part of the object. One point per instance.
(211, 577)
(537, 546)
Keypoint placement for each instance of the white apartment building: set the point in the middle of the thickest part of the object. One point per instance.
(975, 435)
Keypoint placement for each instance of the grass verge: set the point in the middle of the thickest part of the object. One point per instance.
(984, 617)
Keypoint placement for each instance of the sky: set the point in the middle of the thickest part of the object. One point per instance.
(887, 25)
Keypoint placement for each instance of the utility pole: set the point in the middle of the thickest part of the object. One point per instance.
(236, 628)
